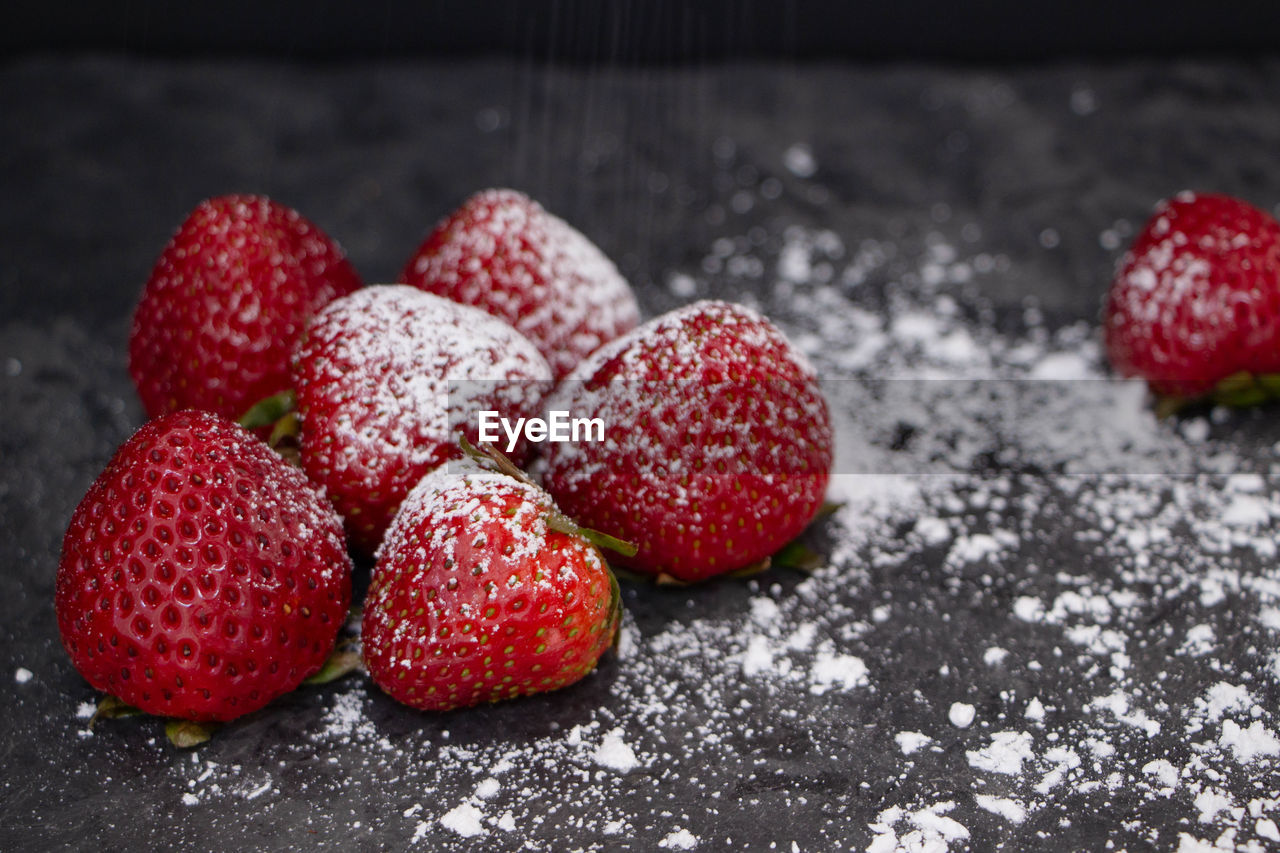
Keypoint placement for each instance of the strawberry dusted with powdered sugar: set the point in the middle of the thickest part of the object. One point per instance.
(1195, 305)
(483, 591)
(717, 442)
(386, 380)
(501, 251)
(225, 303)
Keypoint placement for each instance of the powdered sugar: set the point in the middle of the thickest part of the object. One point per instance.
(615, 754)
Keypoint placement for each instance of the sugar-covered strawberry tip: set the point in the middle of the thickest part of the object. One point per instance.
(225, 302)
(386, 378)
(718, 445)
(201, 576)
(484, 591)
(502, 252)
(1194, 308)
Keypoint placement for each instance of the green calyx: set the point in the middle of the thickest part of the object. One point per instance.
(183, 734)
(267, 412)
(279, 411)
(1238, 391)
(341, 663)
(561, 523)
(186, 734)
(112, 708)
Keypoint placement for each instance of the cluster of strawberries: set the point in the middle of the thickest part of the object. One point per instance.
(208, 569)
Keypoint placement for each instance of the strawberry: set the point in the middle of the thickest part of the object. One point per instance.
(1195, 305)
(225, 302)
(717, 442)
(201, 575)
(501, 251)
(484, 591)
(386, 378)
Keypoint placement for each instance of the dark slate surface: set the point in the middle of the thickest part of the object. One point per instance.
(101, 158)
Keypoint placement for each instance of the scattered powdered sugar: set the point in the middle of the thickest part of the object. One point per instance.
(926, 829)
(961, 714)
(680, 839)
(835, 671)
(910, 742)
(1010, 810)
(1004, 754)
(464, 819)
(22, 675)
(1257, 741)
(615, 754)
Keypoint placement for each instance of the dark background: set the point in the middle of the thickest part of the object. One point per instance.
(627, 31)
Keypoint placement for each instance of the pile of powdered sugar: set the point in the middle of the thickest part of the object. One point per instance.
(1043, 615)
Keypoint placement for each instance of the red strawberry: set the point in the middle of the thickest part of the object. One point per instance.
(480, 595)
(717, 442)
(225, 302)
(386, 379)
(201, 576)
(502, 252)
(1195, 304)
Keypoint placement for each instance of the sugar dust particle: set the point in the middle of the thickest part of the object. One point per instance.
(22, 675)
(488, 788)
(190, 799)
(615, 754)
(489, 119)
(837, 671)
(682, 285)
(681, 839)
(1084, 101)
(1010, 810)
(799, 160)
(1248, 744)
(463, 819)
(1005, 754)
(961, 714)
(910, 742)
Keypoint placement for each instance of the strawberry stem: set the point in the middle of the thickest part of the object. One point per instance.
(1240, 390)
(111, 708)
(341, 663)
(287, 428)
(267, 411)
(186, 734)
(560, 522)
(487, 453)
